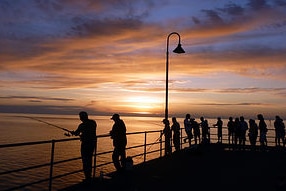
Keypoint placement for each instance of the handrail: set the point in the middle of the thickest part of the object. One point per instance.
(53, 162)
(96, 164)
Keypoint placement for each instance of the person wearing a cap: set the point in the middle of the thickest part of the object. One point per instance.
(118, 135)
(87, 132)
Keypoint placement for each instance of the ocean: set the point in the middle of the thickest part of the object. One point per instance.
(19, 128)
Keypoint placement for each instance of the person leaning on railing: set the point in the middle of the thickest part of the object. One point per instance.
(87, 132)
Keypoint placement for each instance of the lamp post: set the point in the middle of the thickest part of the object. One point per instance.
(167, 130)
(178, 50)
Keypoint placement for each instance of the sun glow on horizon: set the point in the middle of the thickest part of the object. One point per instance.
(143, 104)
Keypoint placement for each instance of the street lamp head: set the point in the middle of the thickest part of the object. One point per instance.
(179, 49)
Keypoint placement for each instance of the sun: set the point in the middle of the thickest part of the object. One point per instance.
(143, 104)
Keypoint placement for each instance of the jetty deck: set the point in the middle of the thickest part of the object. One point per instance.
(209, 167)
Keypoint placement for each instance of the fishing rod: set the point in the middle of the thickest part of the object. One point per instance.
(68, 132)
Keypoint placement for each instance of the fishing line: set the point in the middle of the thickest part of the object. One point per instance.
(158, 139)
(66, 134)
(148, 149)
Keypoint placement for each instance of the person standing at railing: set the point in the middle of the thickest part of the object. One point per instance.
(230, 128)
(196, 130)
(118, 135)
(87, 132)
(205, 130)
(243, 129)
(262, 130)
(176, 133)
(252, 132)
(279, 131)
(237, 132)
(168, 134)
(219, 124)
(188, 128)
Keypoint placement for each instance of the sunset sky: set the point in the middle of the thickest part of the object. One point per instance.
(107, 56)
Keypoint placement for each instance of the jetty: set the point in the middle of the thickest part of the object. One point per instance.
(201, 167)
(208, 166)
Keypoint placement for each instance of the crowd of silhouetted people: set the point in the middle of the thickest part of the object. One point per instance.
(238, 131)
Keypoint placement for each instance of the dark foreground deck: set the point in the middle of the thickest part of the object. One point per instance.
(212, 167)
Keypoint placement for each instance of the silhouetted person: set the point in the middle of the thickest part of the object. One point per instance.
(262, 130)
(176, 133)
(243, 129)
(168, 134)
(219, 129)
(196, 130)
(87, 132)
(279, 131)
(252, 132)
(118, 134)
(230, 128)
(205, 130)
(188, 128)
(237, 131)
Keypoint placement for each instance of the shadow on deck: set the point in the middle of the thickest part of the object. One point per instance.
(211, 167)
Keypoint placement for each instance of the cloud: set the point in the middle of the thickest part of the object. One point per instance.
(233, 104)
(45, 109)
(36, 98)
(80, 46)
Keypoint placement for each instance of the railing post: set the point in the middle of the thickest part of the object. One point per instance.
(181, 138)
(94, 160)
(52, 165)
(161, 144)
(145, 142)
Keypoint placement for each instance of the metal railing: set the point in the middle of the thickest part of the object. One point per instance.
(140, 157)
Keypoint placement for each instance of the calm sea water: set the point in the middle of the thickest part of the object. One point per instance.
(18, 128)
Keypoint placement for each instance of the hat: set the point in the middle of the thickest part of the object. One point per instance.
(115, 116)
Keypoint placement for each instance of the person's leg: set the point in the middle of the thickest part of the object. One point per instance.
(115, 159)
(123, 157)
(86, 154)
(190, 138)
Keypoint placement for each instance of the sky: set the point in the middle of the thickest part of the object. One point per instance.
(109, 56)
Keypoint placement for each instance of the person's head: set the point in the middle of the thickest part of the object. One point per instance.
(278, 118)
(202, 118)
(260, 117)
(174, 119)
(83, 116)
(115, 117)
(251, 121)
(230, 118)
(188, 116)
(241, 118)
(166, 121)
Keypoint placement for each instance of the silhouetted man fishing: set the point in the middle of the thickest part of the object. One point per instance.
(87, 132)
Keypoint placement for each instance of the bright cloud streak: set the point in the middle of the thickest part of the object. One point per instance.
(107, 56)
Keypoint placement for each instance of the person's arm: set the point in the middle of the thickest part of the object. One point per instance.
(76, 132)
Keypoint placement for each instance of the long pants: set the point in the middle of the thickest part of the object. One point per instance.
(119, 154)
(87, 150)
